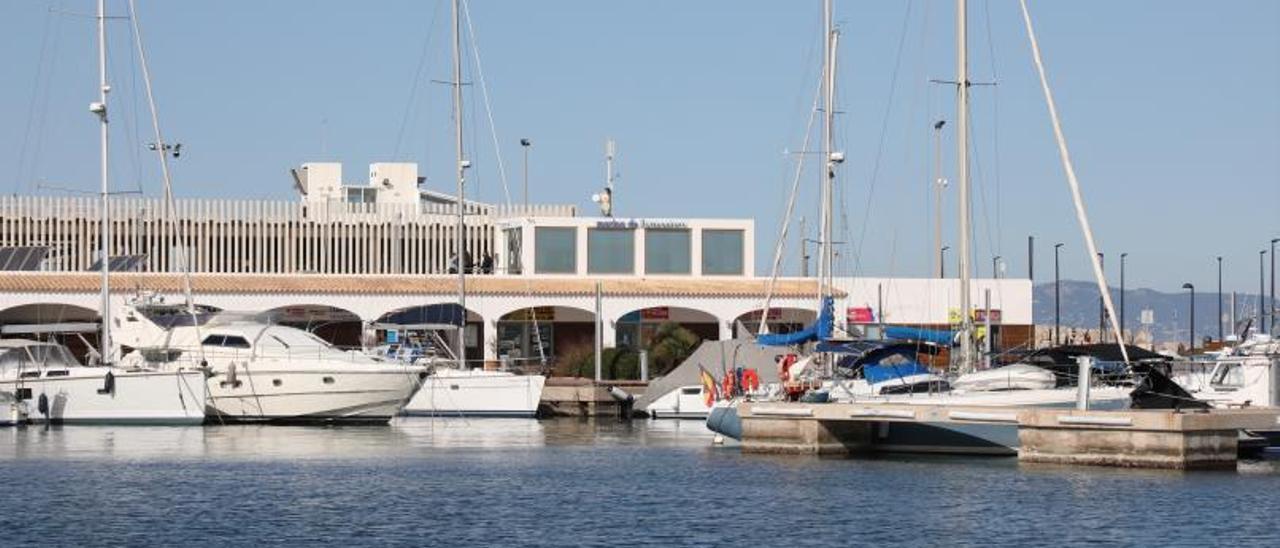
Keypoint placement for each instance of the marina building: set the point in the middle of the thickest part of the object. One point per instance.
(347, 260)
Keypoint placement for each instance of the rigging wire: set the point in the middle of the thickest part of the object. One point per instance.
(995, 124)
(40, 100)
(417, 80)
(36, 95)
(484, 93)
(884, 130)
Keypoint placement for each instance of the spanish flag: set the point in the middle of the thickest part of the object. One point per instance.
(709, 394)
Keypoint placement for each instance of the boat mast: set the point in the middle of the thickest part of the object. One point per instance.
(830, 157)
(104, 228)
(462, 165)
(962, 169)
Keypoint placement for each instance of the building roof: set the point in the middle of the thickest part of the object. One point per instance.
(88, 282)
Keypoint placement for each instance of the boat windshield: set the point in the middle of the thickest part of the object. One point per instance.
(37, 355)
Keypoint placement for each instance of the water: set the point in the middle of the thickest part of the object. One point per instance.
(424, 482)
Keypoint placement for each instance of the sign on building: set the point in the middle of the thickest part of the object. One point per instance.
(860, 315)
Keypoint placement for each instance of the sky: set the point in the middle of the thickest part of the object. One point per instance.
(1171, 110)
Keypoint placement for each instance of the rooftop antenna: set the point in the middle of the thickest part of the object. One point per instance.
(605, 198)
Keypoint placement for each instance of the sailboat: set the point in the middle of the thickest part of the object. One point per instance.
(65, 391)
(257, 371)
(922, 387)
(453, 388)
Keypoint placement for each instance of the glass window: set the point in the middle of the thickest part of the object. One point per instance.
(556, 250)
(722, 252)
(611, 251)
(666, 251)
(515, 247)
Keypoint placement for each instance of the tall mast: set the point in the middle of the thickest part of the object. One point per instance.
(100, 108)
(462, 164)
(962, 169)
(829, 155)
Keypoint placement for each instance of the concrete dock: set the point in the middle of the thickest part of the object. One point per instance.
(1187, 440)
(582, 397)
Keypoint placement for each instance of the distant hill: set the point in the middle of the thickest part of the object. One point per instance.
(1080, 308)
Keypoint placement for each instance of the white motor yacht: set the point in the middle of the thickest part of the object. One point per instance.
(48, 384)
(1246, 375)
(260, 372)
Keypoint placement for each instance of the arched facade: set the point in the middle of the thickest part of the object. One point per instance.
(780, 320)
(636, 328)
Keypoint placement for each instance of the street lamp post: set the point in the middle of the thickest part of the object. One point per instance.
(1102, 310)
(1262, 290)
(1220, 338)
(938, 183)
(525, 144)
(942, 261)
(1271, 303)
(1122, 257)
(1192, 338)
(1057, 297)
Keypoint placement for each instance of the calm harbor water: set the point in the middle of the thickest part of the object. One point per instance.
(451, 482)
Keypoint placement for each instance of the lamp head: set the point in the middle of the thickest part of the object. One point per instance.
(1188, 286)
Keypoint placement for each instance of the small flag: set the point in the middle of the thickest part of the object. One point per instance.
(709, 395)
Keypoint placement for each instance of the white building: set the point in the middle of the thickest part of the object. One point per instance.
(344, 257)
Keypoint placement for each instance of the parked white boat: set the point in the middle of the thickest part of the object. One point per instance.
(54, 387)
(1245, 375)
(260, 372)
(684, 402)
(449, 391)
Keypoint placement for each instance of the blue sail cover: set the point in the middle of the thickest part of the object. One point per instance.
(819, 331)
(935, 336)
(880, 373)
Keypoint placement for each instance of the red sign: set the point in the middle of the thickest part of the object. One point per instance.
(655, 313)
(980, 316)
(860, 315)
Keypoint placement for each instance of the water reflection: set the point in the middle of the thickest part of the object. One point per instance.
(404, 438)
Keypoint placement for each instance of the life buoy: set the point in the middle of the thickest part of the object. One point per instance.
(750, 380)
(784, 367)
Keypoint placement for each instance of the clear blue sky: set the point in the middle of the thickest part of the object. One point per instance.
(1172, 109)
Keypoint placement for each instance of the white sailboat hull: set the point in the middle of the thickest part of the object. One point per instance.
(136, 397)
(449, 392)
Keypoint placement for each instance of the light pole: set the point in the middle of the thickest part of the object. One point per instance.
(1262, 290)
(1193, 316)
(525, 144)
(1057, 297)
(1122, 257)
(1271, 303)
(938, 183)
(995, 267)
(1220, 338)
(942, 261)
(1102, 311)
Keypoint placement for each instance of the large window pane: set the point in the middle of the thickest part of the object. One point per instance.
(722, 252)
(666, 251)
(556, 249)
(611, 251)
